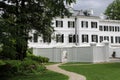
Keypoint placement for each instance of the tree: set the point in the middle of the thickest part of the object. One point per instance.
(19, 17)
(113, 10)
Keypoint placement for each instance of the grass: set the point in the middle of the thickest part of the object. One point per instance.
(48, 75)
(106, 71)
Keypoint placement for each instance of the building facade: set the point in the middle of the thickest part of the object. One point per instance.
(79, 31)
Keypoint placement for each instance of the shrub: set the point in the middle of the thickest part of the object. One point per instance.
(29, 65)
(9, 68)
(39, 59)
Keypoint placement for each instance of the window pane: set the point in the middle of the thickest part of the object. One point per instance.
(94, 38)
(35, 37)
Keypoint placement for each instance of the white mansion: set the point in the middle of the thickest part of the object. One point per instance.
(79, 31)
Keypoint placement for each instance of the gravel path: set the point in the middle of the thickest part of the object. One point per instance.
(71, 75)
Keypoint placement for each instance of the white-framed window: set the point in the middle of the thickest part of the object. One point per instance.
(93, 24)
(94, 38)
(105, 28)
(112, 39)
(59, 23)
(84, 24)
(35, 37)
(117, 39)
(106, 38)
(72, 38)
(110, 28)
(101, 38)
(71, 24)
(101, 28)
(116, 28)
(47, 39)
(85, 38)
(60, 38)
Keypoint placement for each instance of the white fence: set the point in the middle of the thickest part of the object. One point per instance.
(91, 53)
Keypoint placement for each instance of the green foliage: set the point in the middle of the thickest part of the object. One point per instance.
(39, 59)
(113, 10)
(8, 52)
(19, 17)
(9, 68)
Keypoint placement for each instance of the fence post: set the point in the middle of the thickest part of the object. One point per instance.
(93, 45)
(106, 51)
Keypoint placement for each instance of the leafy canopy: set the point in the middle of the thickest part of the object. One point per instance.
(19, 17)
(113, 10)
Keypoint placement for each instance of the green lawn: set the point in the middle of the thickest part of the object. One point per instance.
(108, 71)
(48, 75)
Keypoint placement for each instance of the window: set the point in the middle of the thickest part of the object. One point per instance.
(35, 37)
(116, 29)
(85, 38)
(72, 38)
(110, 28)
(101, 28)
(71, 24)
(93, 24)
(101, 38)
(105, 28)
(112, 39)
(94, 38)
(60, 38)
(84, 24)
(47, 39)
(59, 23)
(117, 39)
(106, 38)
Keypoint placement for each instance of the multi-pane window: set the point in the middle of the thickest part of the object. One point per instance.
(110, 28)
(35, 37)
(101, 38)
(47, 39)
(106, 38)
(59, 23)
(60, 38)
(93, 24)
(101, 28)
(94, 38)
(71, 24)
(85, 38)
(72, 38)
(116, 28)
(112, 41)
(117, 39)
(105, 28)
(84, 24)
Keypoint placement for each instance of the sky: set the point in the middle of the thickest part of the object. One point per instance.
(98, 6)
